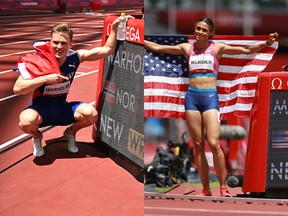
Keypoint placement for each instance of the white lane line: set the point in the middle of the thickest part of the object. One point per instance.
(17, 53)
(27, 18)
(29, 51)
(33, 33)
(8, 97)
(7, 71)
(15, 29)
(14, 141)
(222, 211)
(21, 42)
(43, 39)
(23, 137)
(81, 74)
(86, 73)
(18, 35)
(28, 23)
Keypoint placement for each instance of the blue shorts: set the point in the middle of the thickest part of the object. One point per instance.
(201, 99)
(55, 111)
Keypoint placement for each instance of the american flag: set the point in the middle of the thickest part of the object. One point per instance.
(166, 77)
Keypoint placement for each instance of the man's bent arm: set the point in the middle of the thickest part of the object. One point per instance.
(104, 51)
(25, 86)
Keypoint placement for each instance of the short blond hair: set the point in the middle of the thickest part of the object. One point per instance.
(62, 28)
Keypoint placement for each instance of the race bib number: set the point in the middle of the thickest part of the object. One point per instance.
(57, 89)
(204, 62)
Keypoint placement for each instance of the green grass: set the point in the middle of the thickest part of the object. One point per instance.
(213, 185)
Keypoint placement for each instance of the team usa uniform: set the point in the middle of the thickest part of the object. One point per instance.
(202, 63)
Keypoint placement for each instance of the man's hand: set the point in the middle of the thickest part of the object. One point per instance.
(117, 21)
(55, 79)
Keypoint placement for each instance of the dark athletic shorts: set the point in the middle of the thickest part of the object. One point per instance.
(55, 111)
(201, 99)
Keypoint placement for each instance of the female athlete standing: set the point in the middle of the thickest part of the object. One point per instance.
(201, 100)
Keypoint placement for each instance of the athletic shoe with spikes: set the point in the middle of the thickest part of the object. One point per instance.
(38, 150)
(72, 147)
(205, 192)
(224, 192)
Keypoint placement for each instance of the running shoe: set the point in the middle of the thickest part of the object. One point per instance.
(38, 150)
(72, 147)
(205, 192)
(224, 192)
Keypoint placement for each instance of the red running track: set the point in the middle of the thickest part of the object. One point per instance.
(177, 204)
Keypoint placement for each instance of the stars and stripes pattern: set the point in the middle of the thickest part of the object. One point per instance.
(166, 77)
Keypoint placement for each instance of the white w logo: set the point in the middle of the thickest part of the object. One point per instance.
(279, 108)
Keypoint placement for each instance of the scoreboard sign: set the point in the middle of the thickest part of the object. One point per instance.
(277, 164)
(119, 98)
(266, 166)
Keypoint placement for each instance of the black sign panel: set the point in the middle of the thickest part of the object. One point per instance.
(121, 124)
(277, 163)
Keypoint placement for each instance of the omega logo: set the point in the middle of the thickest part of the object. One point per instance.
(276, 83)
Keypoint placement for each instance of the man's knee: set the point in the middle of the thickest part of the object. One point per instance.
(92, 117)
(87, 113)
(29, 121)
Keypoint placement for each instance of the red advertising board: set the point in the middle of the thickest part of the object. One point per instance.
(106, 4)
(266, 167)
(28, 4)
(119, 97)
(134, 33)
